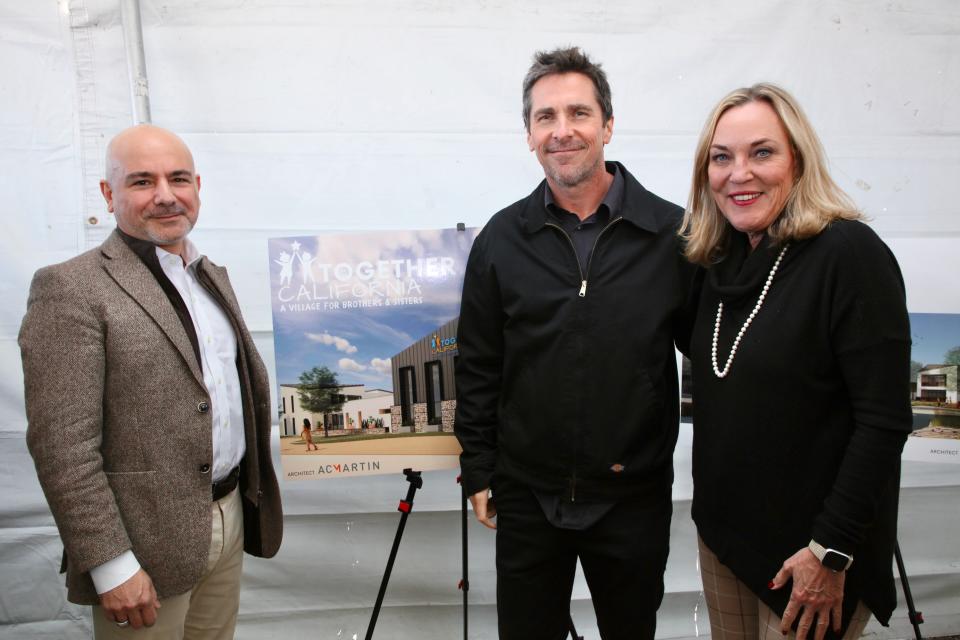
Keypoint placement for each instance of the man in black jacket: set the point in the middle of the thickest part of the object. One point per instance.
(567, 379)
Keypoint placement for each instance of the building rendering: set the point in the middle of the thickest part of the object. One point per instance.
(363, 411)
(423, 383)
(938, 383)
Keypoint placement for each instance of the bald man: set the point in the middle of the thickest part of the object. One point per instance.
(148, 410)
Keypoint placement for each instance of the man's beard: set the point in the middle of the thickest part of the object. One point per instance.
(161, 238)
(573, 176)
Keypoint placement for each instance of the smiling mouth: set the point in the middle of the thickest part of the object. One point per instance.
(743, 199)
(166, 215)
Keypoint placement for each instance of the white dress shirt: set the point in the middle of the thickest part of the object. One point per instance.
(218, 355)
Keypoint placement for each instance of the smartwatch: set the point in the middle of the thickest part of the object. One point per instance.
(830, 558)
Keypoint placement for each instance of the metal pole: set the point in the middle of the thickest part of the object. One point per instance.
(465, 579)
(916, 617)
(136, 62)
(405, 507)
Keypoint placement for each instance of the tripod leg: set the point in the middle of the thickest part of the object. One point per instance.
(916, 617)
(405, 507)
(386, 577)
(573, 629)
(464, 580)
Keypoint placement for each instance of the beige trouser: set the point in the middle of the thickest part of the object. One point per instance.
(209, 610)
(736, 613)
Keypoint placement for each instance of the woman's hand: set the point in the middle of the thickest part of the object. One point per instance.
(817, 595)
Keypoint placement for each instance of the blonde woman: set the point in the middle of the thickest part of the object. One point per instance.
(801, 368)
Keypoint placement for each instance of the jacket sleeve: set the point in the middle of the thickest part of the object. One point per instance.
(62, 348)
(479, 369)
(692, 280)
(870, 336)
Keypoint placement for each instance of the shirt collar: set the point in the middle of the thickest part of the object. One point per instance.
(190, 254)
(151, 253)
(613, 200)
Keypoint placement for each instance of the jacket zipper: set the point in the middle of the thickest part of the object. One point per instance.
(582, 294)
(583, 278)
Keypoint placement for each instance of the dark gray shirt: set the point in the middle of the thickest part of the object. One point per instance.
(584, 233)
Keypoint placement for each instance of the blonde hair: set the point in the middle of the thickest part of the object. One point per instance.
(814, 201)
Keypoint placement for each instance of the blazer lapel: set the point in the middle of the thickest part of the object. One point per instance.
(129, 272)
(218, 278)
(215, 278)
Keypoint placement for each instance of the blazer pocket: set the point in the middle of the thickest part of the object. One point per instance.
(136, 496)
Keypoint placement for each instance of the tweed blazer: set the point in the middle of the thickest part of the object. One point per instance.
(119, 425)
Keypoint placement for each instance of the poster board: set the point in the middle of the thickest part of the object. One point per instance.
(365, 333)
(934, 388)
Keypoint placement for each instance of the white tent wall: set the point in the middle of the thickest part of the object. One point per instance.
(311, 116)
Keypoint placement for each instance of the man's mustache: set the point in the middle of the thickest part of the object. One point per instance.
(163, 213)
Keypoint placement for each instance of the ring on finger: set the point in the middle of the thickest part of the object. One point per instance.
(121, 623)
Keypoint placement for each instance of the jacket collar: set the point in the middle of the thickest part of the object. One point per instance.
(129, 271)
(638, 205)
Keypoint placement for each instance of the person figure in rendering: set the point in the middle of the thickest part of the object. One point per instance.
(307, 435)
(573, 300)
(160, 475)
(801, 366)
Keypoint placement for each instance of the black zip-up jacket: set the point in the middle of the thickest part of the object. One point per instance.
(567, 380)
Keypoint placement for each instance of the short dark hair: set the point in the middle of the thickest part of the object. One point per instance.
(566, 60)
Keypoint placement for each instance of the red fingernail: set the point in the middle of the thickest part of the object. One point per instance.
(771, 584)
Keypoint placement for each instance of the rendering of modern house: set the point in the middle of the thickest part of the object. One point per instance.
(938, 383)
(424, 397)
(363, 411)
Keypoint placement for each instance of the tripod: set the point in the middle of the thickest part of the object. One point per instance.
(405, 507)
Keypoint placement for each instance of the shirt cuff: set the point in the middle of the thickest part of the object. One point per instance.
(113, 573)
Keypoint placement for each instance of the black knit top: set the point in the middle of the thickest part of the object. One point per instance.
(802, 439)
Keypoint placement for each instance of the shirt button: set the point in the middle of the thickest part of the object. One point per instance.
(204, 468)
(203, 406)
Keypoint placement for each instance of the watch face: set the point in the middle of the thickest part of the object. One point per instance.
(834, 560)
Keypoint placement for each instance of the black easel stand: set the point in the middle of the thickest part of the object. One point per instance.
(573, 629)
(405, 507)
(916, 617)
(464, 581)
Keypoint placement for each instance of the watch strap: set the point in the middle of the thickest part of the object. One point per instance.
(834, 558)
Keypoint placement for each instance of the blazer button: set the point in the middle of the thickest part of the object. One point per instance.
(203, 406)
(204, 468)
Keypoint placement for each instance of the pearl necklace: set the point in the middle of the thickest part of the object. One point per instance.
(746, 323)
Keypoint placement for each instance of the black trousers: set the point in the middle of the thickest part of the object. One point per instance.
(623, 558)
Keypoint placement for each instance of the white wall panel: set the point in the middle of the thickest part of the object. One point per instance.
(311, 116)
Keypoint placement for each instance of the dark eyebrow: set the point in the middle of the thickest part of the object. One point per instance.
(577, 107)
(542, 110)
(140, 175)
(137, 175)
